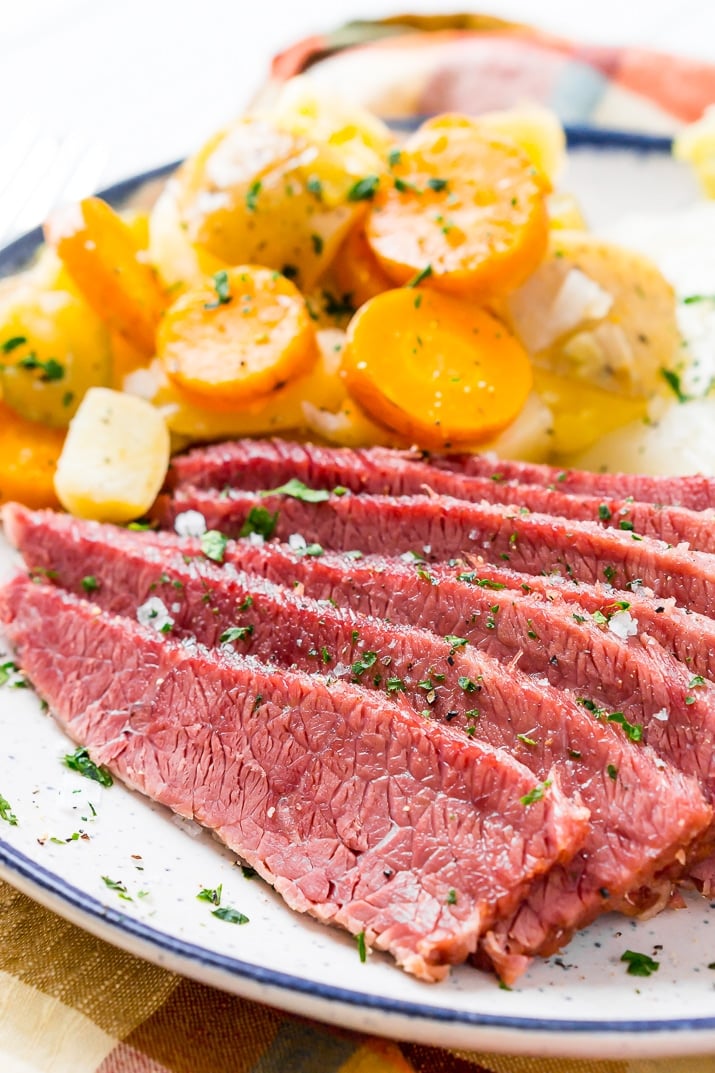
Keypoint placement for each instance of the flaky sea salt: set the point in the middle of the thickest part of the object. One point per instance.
(623, 625)
(297, 542)
(662, 716)
(155, 613)
(190, 523)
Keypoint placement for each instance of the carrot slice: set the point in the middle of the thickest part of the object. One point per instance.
(238, 340)
(465, 204)
(434, 368)
(357, 270)
(102, 255)
(28, 458)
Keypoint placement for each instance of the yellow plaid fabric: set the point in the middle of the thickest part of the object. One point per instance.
(70, 1003)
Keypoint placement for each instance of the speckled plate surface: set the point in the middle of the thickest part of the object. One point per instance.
(72, 832)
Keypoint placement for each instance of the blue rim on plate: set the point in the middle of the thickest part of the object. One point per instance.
(99, 917)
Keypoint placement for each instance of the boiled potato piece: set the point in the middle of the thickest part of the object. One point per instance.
(353, 142)
(679, 442)
(180, 264)
(53, 347)
(528, 437)
(115, 458)
(256, 194)
(599, 313)
(581, 413)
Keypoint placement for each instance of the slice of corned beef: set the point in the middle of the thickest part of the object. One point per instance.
(347, 803)
(445, 679)
(693, 492)
(441, 528)
(688, 636)
(257, 465)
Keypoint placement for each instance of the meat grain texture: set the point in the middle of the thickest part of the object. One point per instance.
(551, 629)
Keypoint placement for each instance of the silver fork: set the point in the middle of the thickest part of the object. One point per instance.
(40, 171)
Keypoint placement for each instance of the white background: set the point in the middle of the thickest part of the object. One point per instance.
(94, 90)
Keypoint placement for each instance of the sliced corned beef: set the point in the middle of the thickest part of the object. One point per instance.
(346, 802)
(256, 465)
(441, 528)
(688, 636)
(656, 812)
(693, 492)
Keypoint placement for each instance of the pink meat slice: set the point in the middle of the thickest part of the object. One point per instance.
(255, 465)
(346, 803)
(655, 811)
(441, 528)
(692, 492)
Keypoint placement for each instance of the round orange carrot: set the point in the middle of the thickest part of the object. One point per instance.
(102, 255)
(435, 369)
(357, 270)
(28, 458)
(463, 205)
(239, 339)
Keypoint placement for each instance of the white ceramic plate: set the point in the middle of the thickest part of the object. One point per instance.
(582, 1003)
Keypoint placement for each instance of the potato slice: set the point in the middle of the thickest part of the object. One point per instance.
(115, 458)
(600, 313)
(53, 347)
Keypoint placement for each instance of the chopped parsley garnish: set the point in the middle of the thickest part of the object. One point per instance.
(51, 369)
(626, 525)
(317, 244)
(341, 306)
(612, 772)
(10, 676)
(209, 895)
(695, 681)
(639, 964)
(425, 273)
(117, 886)
(213, 545)
(366, 661)
(536, 794)
(394, 157)
(364, 189)
(248, 602)
(604, 512)
(142, 527)
(315, 187)
(395, 685)
(481, 582)
(247, 872)
(252, 195)
(673, 381)
(90, 583)
(455, 642)
(314, 551)
(609, 573)
(12, 344)
(362, 949)
(600, 618)
(290, 271)
(526, 740)
(259, 521)
(80, 762)
(437, 184)
(231, 916)
(325, 655)
(236, 633)
(6, 812)
(296, 489)
(634, 731)
(452, 897)
(467, 684)
(222, 288)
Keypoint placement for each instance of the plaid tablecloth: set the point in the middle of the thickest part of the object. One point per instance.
(70, 1003)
